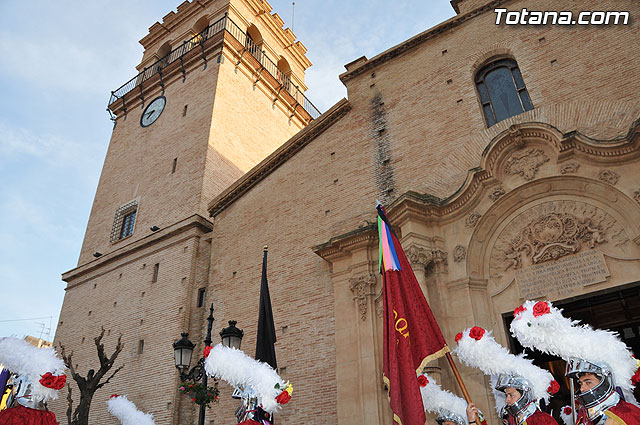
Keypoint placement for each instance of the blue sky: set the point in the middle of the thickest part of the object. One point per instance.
(58, 63)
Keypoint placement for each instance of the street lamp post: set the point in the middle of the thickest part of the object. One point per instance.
(183, 351)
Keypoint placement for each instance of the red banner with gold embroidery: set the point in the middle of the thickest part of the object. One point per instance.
(412, 337)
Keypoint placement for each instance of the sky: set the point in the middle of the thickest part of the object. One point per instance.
(59, 60)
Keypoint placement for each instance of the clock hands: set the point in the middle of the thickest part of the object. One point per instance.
(148, 114)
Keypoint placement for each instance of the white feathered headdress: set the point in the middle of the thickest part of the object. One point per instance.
(439, 401)
(127, 412)
(41, 366)
(542, 326)
(477, 348)
(240, 370)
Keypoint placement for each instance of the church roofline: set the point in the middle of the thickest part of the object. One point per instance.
(413, 42)
(278, 157)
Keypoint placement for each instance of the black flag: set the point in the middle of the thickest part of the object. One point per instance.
(265, 350)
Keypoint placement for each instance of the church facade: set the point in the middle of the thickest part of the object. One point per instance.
(507, 157)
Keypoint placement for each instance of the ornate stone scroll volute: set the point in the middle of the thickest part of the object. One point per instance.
(363, 287)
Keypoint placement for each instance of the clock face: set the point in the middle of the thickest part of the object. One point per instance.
(153, 111)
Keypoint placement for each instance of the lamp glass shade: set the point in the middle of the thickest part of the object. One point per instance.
(182, 352)
(232, 336)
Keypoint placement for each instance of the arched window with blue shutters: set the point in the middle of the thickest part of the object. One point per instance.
(502, 91)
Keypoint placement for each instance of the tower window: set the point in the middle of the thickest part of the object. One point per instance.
(140, 346)
(156, 270)
(201, 295)
(502, 91)
(124, 221)
(127, 224)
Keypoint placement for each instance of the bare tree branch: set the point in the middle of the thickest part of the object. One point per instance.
(92, 382)
(102, 384)
(70, 408)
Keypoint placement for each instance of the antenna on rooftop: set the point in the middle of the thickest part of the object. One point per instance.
(293, 14)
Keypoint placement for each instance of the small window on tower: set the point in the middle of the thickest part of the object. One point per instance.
(156, 270)
(201, 294)
(124, 221)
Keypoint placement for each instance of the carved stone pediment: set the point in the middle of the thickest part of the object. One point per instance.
(552, 230)
(362, 287)
(525, 163)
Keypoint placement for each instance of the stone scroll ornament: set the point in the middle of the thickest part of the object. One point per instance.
(126, 412)
(253, 377)
(541, 326)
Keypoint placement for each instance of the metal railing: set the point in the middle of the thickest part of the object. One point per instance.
(198, 41)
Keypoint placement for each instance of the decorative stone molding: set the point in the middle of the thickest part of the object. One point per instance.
(525, 164)
(472, 219)
(423, 256)
(636, 196)
(516, 136)
(459, 253)
(418, 255)
(570, 168)
(440, 257)
(496, 193)
(362, 287)
(553, 230)
(609, 176)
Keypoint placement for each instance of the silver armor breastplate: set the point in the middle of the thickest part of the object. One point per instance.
(529, 410)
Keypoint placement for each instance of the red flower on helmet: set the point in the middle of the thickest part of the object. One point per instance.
(207, 350)
(554, 387)
(113, 396)
(476, 333)
(540, 308)
(636, 377)
(566, 410)
(52, 381)
(423, 381)
(284, 397)
(518, 310)
(458, 336)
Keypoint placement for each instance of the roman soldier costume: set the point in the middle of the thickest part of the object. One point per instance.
(477, 348)
(541, 326)
(38, 376)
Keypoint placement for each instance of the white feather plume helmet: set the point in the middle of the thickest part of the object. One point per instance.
(34, 363)
(127, 412)
(239, 370)
(477, 348)
(542, 326)
(439, 401)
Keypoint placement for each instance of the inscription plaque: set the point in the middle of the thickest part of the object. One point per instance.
(563, 276)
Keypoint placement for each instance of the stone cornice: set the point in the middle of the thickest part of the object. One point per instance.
(279, 157)
(340, 245)
(196, 222)
(425, 207)
(172, 19)
(418, 40)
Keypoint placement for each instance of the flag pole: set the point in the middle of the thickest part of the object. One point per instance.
(465, 393)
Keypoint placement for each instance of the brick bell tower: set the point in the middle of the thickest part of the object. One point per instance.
(220, 86)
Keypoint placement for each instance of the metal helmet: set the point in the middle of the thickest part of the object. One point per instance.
(597, 395)
(524, 388)
(447, 415)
